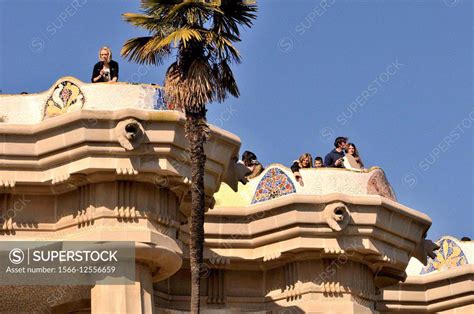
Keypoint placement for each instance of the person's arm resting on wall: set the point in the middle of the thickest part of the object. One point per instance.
(295, 168)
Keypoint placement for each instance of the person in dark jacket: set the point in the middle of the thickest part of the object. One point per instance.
(305, 161)
(335, 157)
(106, 70)
(249, 159)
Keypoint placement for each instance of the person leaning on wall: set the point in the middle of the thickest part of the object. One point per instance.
(305, 161)
(352, 158)
(249, 159)
(106, 70)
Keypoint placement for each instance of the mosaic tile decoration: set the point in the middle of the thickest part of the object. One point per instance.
(66, 97)
(448, 256)
(160, 101)
(274, 184)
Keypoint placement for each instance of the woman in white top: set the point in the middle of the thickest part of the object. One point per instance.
(352, 159)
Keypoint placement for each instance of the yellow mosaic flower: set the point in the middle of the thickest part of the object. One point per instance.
(66, 97)
(448, 256)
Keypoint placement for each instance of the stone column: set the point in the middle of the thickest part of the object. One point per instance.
(135, 298)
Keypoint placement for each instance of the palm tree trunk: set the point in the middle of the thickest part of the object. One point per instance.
(196, 132)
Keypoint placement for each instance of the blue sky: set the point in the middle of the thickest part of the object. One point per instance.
(393, 76)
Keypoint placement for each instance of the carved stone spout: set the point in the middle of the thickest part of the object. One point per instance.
(130, 133)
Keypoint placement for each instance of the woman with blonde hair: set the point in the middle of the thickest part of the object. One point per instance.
(305, 161)
(106, 70)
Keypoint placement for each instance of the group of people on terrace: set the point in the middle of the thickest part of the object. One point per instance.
(344, 155)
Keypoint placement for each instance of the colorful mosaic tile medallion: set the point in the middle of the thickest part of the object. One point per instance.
(449, 255)
(275, 183)
(66, 97)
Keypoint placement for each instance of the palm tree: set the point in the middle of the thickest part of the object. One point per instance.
(200, 35)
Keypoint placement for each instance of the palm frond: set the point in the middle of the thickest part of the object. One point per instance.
(136, 50)
(224, 81)
(158, 7)
(179, 36)
(234, 13)
(200, 82)
(174, 87)
(150, 23)
(192, 90)
(190, 13)
(221, 45)
(228, 80)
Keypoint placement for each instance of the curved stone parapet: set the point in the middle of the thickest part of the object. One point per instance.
(69, 94)
(357, 210)
(443, 285)
(278, 181)
(452, 253)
